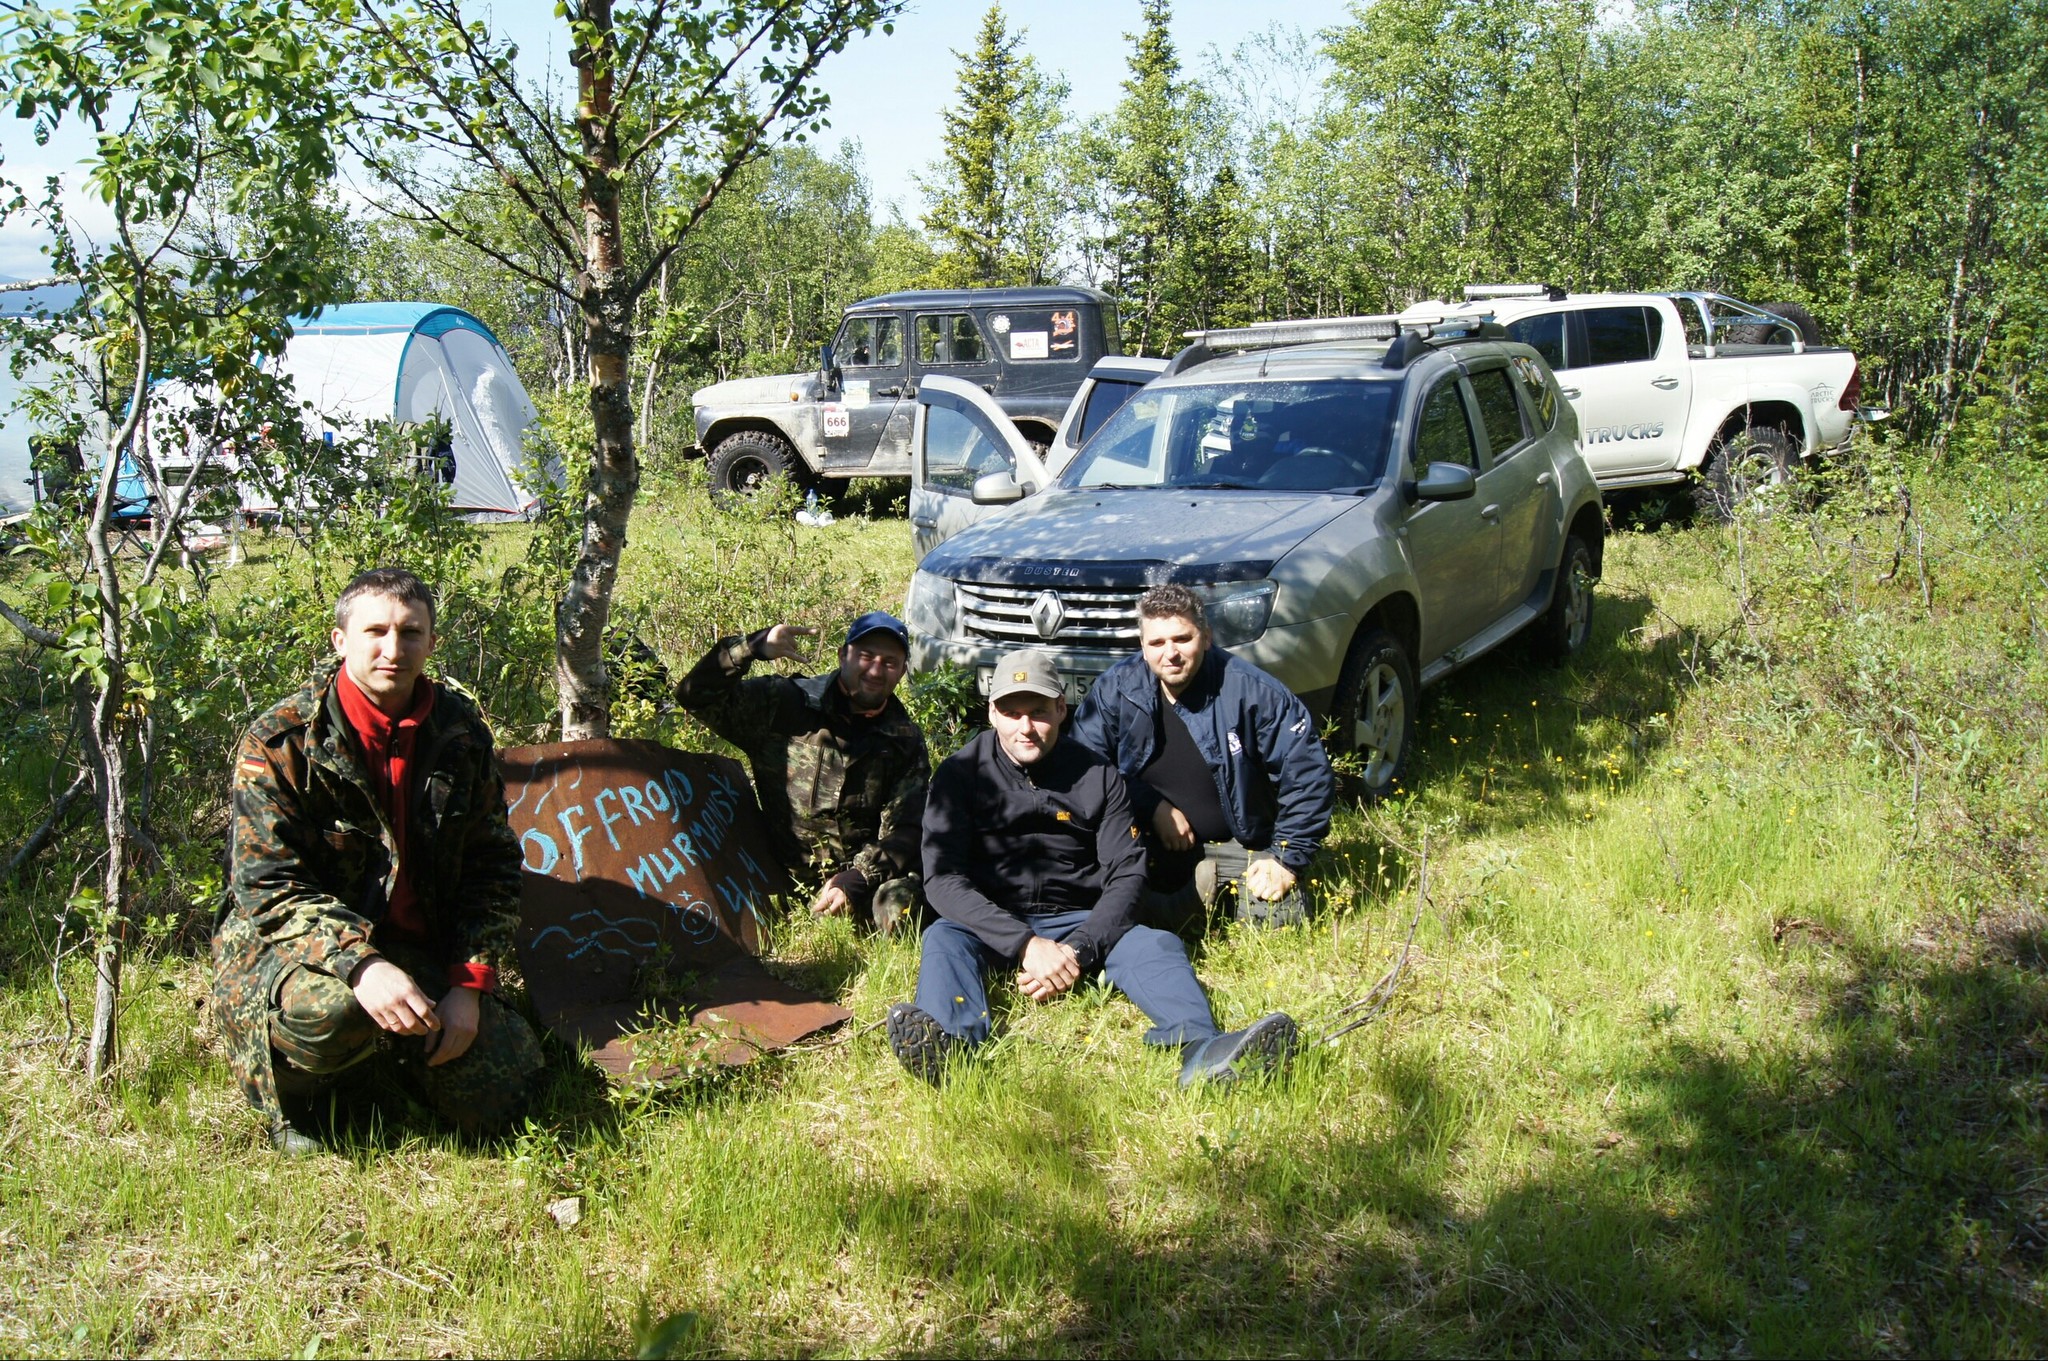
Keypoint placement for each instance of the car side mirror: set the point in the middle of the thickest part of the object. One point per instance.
(1444, 482)
(997, 489)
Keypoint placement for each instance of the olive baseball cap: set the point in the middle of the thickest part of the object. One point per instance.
(1025, 671)
(878, 621)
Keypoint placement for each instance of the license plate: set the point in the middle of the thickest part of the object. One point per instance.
(1076, 686)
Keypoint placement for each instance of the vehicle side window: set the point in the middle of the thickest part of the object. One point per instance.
(1107, 395)
(1444, 433)
(952, 338)
(1622, 335)
(1542, 396)
(1499, 411)
(870, 343)
(1543, 334)
(1037, 334)
(957, 452)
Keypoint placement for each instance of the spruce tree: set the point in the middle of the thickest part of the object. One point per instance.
(993, 206)
(1145, 163)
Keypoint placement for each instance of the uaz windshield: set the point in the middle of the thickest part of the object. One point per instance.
(1277, 436)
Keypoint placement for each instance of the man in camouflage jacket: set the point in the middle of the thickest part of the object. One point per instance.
(374, 882)
(839, 764)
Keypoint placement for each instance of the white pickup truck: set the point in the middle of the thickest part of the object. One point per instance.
(1669, 385)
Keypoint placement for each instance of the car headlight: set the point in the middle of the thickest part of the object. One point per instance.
(1238, 610)
(930, 610)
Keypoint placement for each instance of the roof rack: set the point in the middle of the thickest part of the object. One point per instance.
(1410, 334)
(1488, 292)
(1268, 334)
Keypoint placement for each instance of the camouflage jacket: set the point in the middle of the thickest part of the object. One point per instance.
(839, 791)
(312, 859)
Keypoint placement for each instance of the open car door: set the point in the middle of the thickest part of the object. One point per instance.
(967, 461)
(1110, 384)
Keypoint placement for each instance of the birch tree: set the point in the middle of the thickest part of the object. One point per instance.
(200, 112)
(709, 87)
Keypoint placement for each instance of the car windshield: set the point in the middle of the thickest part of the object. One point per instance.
(1270, 435)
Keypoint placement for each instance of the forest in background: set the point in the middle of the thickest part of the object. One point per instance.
(1879, 163)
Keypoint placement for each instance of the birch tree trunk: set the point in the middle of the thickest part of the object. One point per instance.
(606, 298)
(103, 1043)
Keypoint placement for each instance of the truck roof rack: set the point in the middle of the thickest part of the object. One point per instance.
(1408, 334)
(1489, 292)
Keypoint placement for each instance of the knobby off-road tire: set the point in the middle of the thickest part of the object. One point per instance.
(1759, 456)
(742, 463)
(1566, 626)
(1375, 710)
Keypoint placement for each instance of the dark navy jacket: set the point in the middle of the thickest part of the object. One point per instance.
(1259, 741)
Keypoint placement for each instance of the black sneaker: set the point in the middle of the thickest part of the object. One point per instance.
(1265, 1043)
(920, 1044)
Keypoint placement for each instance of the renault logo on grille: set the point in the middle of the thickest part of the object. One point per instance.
(1047, 614)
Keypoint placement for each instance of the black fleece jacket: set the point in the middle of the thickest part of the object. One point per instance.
(1002, 841)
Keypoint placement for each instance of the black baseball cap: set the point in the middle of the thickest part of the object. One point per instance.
(878, 621)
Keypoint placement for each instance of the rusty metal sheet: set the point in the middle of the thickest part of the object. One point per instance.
(647, 870)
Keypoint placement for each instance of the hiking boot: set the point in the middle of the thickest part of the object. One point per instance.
(920, 1044)
(290, 1142)
(1263, 1044)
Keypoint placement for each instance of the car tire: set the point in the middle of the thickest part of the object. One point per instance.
(1566, 627)
(1375, 710)
(1759, 456)
(743, 463)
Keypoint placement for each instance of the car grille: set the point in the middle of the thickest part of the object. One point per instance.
(1011, 614)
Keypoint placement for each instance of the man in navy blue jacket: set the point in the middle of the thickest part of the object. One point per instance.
(1226, 773)
(1032, 860)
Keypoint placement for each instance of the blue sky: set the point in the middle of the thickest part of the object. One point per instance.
(887, 89)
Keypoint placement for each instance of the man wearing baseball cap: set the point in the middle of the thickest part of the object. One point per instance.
(839, 764)
(1032, 859)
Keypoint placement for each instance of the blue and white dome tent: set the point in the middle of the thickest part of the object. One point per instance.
(418, 361)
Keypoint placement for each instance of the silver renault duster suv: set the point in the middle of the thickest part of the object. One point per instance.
(1365, 504)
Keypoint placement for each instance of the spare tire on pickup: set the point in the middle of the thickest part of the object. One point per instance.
(1746, 332)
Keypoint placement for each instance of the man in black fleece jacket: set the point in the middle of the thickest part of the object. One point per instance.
(1032, 858)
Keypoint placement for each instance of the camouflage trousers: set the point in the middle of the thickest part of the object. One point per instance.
(1217, 883)
(293, 1032)
(899, 905)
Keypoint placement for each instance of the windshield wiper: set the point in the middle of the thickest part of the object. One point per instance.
(1220, 484)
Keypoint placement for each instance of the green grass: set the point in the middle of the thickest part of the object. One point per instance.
(1723, 1033)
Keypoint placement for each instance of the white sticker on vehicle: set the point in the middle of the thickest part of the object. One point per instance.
(856, 393)
(838, 425)
(1030, 344)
